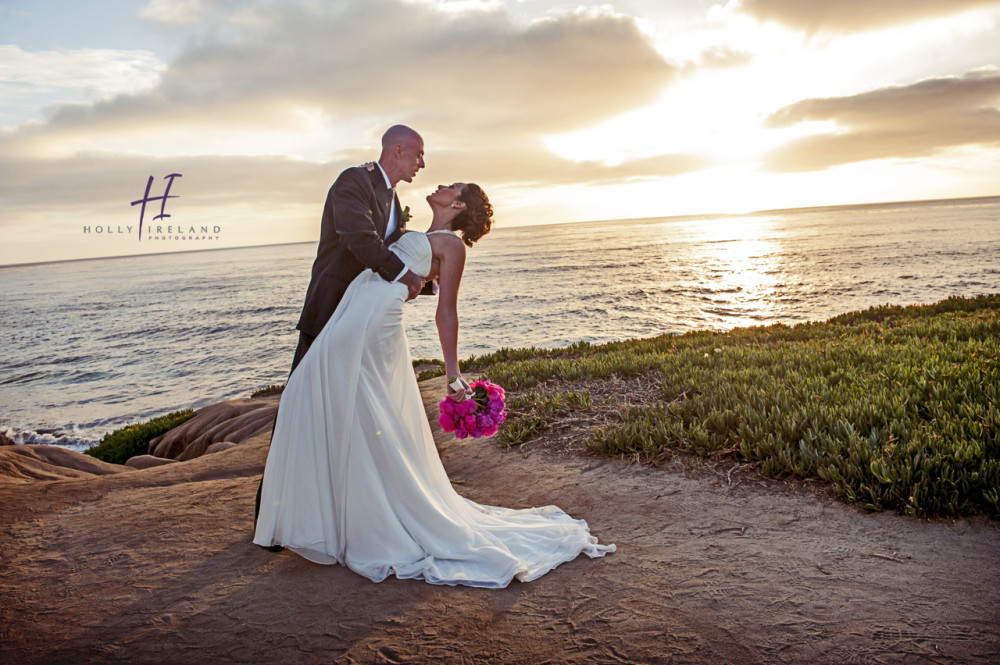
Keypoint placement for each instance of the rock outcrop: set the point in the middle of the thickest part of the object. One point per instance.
(232, 421)
(219, 447)
(147, 461)
(31, 462)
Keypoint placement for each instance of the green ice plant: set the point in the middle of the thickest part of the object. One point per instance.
(891, 407)
(118, 446)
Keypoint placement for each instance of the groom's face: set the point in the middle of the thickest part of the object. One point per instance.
(411, 158)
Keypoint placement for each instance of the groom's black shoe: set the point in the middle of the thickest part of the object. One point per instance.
(271, 548)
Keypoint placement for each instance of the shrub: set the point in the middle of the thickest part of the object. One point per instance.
(118, 446)
(270, 390)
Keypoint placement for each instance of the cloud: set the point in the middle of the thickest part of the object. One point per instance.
(105, 71)
(894, 122)
(813, 16)
(228, 111)
(30, 80)
(107, 183)
(461, 72)
(720, 57)
(173, 12)
(541, 168)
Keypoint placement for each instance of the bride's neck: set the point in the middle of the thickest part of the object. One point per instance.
(442, 219)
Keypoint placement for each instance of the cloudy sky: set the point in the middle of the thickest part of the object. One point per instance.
(562, 111)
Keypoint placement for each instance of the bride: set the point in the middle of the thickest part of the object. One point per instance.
(353, 476)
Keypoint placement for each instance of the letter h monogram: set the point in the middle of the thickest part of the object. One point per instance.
(147, 198)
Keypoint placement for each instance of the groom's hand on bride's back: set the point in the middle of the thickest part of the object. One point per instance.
(414, 283)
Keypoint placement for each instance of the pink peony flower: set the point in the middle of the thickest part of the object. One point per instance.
(447, 422)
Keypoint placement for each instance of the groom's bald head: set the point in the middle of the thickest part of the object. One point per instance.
(397, 135)
(402, 153)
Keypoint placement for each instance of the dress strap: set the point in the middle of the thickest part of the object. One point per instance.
(430, 233)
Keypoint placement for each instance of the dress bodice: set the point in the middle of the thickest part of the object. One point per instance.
(414, 249)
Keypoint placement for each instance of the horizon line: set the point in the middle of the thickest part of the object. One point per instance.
(592, 221)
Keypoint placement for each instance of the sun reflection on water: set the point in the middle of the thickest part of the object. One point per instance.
(741, 270)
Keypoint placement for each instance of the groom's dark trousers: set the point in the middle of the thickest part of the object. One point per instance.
(352, 238)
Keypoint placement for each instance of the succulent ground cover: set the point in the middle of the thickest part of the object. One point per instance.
(118, 446)
(893, 407)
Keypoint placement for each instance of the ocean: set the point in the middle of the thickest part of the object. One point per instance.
(91, 346)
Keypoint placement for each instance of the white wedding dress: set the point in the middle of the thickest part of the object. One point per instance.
(353, 476)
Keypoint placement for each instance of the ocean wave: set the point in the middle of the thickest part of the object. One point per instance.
(720, 311)
(82, 376)
(24, 378)
(51, 437)
(66, 360)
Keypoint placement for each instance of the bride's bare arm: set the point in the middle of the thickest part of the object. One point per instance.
(450, 252)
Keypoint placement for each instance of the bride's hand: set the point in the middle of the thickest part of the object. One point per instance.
(459, 390)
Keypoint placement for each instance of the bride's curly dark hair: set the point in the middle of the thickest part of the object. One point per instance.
(476, 219)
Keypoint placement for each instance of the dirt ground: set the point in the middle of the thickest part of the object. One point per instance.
(107, 565)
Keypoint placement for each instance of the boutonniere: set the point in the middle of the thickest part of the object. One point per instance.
(406, 214)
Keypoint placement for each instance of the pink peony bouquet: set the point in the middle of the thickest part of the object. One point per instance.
(477, 416)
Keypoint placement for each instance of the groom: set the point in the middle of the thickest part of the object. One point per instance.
(362, 216)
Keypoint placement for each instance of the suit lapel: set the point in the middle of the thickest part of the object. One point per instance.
(383, 199)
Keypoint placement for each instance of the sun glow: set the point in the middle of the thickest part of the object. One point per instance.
(719, 113)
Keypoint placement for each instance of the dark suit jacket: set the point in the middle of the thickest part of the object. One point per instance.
(351, 239)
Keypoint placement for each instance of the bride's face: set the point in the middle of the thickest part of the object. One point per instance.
(446, 194)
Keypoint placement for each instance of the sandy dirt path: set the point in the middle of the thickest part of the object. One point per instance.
(156, 566)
